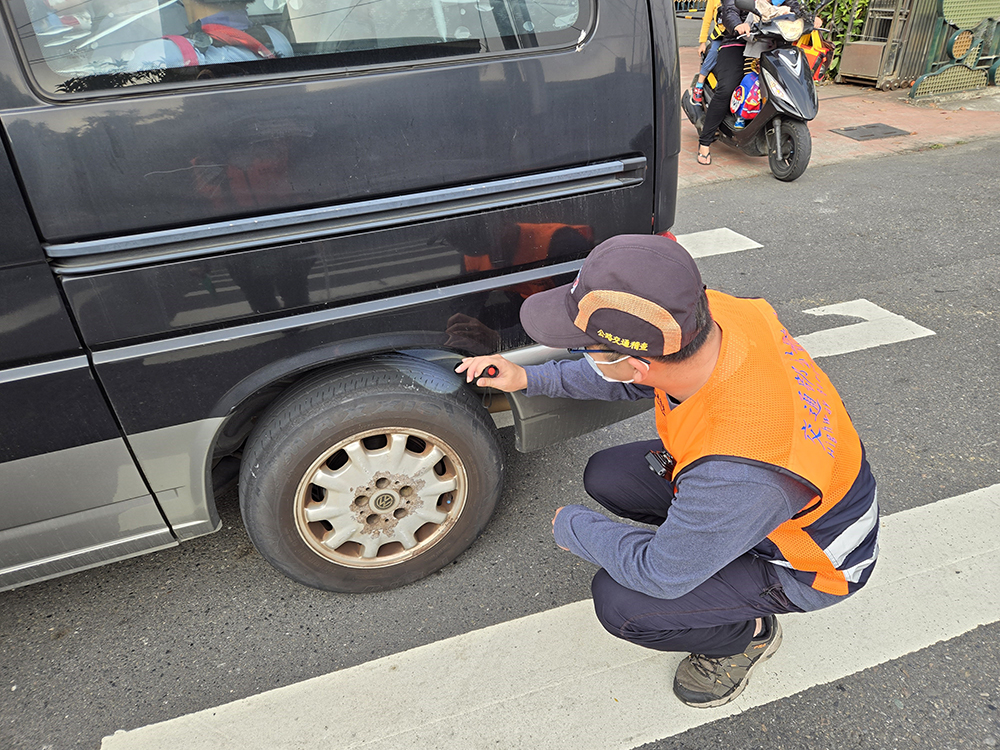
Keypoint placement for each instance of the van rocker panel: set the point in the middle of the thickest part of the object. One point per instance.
(78, 541)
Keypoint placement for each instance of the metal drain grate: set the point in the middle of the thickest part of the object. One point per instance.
(869, 132)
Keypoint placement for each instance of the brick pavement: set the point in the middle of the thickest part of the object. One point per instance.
(930, 125)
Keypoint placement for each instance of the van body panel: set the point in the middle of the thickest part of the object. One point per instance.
(170, 298)
(20, 241)
(66, 409)
(70, 493)
(174, 159)
(176, 256)
(72, 480)
(220, 360)
(177, 463)
(34, 323)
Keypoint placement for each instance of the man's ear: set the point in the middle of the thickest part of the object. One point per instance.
(641, 369)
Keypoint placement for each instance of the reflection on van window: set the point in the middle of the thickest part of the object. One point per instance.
(92, 45)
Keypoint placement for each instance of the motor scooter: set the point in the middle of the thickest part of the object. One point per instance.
(788, 99)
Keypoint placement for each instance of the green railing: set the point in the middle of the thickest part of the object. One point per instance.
(964, 53)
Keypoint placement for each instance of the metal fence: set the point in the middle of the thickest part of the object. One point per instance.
(690, 8)
(964, 50)
(932, 46)
(891, 49)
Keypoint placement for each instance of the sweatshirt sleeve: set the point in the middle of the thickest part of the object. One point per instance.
(721, 510)
(730, 15)
(574, 378)
(708, 21)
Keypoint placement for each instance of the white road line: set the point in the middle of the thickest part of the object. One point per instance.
(880, 327)
(557, 680)
(715, 242)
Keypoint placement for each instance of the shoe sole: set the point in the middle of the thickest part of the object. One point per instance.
(768, 653)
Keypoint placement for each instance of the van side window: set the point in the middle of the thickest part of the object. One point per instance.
(79, 46)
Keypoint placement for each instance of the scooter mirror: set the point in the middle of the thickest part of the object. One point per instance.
(746, 5)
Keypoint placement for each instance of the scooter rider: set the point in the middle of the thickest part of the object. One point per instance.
(761, 499)
(728, 70)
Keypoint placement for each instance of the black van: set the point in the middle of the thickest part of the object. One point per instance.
(254, 240)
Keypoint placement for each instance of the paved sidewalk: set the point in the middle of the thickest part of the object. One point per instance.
(943, 123)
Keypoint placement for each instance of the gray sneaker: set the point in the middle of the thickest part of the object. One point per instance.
(703, 682)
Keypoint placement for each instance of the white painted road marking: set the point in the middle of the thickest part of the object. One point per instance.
(715, 242)
(881, 327)
(557, 680)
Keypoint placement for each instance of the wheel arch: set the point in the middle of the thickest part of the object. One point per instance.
(243, 404)
(358, 400)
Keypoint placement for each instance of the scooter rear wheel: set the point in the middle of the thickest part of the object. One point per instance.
(796, 148)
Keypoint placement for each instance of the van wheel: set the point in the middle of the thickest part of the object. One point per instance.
(796, 148)
(370, 478)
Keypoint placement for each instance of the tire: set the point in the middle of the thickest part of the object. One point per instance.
(796, 146)
(371, 477)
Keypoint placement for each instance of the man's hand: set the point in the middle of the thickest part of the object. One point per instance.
(554, 526)
(701, 48)
(742, 29)
(509, 377)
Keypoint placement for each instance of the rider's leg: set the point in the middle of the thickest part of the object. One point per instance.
(711, 56)
(728, 74)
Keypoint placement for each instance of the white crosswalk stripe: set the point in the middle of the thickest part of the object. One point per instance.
(557, 680)
(715, 242)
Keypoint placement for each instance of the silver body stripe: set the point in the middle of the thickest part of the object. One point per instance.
(278, 325)
(74, 553)
(46, 368)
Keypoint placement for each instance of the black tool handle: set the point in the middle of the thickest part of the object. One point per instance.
(491, 371)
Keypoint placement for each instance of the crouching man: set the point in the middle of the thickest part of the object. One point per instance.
(760, 500)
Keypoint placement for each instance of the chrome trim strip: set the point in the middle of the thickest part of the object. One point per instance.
(536, 354)
(374, 214)
(88, 550)
(247, 330)
(45, 368)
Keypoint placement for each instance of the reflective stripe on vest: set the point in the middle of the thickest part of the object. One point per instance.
(768, 403)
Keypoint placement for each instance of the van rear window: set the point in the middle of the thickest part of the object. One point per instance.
(78, 46)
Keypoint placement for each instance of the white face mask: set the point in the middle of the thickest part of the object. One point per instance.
(597, 367)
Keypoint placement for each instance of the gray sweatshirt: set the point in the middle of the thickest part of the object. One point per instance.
(720, 510)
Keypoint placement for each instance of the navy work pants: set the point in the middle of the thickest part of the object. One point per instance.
(718, 617)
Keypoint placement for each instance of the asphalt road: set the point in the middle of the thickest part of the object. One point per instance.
(208, 622)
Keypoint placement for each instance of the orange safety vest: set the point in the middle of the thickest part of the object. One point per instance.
(768, 403)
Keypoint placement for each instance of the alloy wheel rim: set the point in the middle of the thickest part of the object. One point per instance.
(380, 497)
